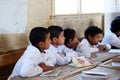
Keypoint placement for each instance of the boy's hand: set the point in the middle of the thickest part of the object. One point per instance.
(101, 47)
(62, 54)
(45, 67)
(93, 55)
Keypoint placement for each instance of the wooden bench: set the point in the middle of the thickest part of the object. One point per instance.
(7, 62)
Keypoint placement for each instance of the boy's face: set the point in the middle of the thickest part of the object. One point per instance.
(60, 40)
(47, 42)
(95, 39)
(74, 42)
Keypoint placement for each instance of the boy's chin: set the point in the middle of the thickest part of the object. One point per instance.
(61, 44)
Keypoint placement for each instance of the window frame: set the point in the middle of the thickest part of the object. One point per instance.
(78, 12)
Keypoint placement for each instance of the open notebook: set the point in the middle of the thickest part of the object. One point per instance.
(81, 62)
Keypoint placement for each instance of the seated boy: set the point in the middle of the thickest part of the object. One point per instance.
(91, 43)
(71, 39)
(112, 37)
(35, 60)
(57, 47)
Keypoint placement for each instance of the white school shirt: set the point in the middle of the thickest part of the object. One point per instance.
(69, 52)
(112, 39)
(60, 49)
(27, 65)
(85, 48)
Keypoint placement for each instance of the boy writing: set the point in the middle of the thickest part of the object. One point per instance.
(91, 43)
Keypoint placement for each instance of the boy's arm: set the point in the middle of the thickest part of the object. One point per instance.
(62, 60)
(45, 67)
(30, 67)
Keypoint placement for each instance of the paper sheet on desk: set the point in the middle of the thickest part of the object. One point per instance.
(114, 51)
(116, 64)
(94, 74)
(81, 62)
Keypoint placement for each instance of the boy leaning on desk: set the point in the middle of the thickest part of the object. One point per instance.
(91, 43)
(35, 59)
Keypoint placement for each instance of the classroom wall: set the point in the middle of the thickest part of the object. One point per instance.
(38, 13)
(79, 22)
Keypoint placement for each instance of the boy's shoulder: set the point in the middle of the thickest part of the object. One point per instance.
(31, 49)
(83, 42)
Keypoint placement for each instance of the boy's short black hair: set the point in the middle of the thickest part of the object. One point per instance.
(92, 31)
(55, 31)
(69, 34)
(117, 17)
(115, 25)
(38, 34)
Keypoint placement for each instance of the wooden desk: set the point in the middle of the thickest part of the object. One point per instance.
(66, 72)
(104, 56)
(112, 74)
(108, 64)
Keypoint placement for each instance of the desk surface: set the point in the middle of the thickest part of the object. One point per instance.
(68, 71)
(104, 55)
(112, 74)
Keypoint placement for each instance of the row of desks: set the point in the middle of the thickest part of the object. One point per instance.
(72, 73)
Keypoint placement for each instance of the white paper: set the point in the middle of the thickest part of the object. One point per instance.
(80, 62)
(114, 51)
(94, 73)
(116, 64)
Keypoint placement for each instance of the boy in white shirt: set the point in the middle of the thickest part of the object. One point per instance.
(57, 47)
(71, 40)
(35, 60)
(112, 37)
(91, 43)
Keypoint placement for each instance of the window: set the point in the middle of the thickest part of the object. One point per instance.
(66, 6)
(92, 6)
(78, 6)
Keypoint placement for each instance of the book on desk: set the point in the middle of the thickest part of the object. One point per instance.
(81, 62)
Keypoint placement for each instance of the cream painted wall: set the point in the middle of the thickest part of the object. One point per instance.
(38, 14)
(79, 22)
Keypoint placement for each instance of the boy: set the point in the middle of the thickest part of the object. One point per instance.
(90, 45)
(71, 39)
(35, 60)
(112, 37)
(62, 53)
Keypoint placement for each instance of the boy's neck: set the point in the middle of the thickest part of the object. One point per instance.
(54, 44)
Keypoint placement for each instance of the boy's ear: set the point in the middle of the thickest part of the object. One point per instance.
(89, 37)
(40, 44)
(54, 39)
(70, 40)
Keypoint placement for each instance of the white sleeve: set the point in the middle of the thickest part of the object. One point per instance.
(30, 67)
(62, 60)
(108, 46)
(114, 41)
(85, 50)
(70, 52)
(50, 59)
